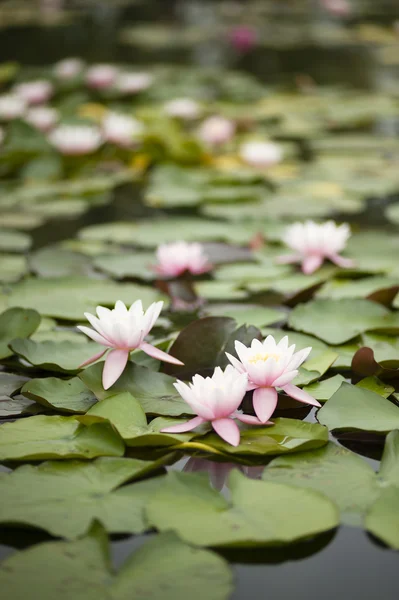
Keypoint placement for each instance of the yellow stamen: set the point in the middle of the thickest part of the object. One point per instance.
(263, 357)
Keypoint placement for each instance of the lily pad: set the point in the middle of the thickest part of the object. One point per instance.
(12, 267)
(248, 314)
(323, 390)
(16, 323)
(164, 568)
(128, 264)
(14, 241)
(70, 396)
(258, 514)
(44, 437)
(57, 262)
(383, 518)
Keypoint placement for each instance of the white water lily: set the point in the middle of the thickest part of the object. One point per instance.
(123, 330)
(261, 154)
(75, 140)
(269, 366)
(69, 68)
(216, 130)
(34, 92)
(42, 117)
(121, 129)
(183, 108)
(101, 76)
(216, 399)
(313, 243)
(178, 257)
(133, 83)
(11, 107)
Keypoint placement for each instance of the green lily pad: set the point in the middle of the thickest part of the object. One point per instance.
(383, 518)
(352, 407)
(370, 287)
(338, 321)
(154, 391)
(375, 385)
(62, 356)
(259, 512)
(12, 267)
(248, 314)
(164, 568)
(52, 261)
(14, 241)
(44, 437)
(66, 497)
(9, 383)
(128, 264)
(70, 396)
(323, 390)
(16, 323)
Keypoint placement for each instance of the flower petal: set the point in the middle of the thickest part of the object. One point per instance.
(94, 335)
(236, 363)
(300, 395)
(228, 430)
(182, 427)
(341, 261)
(285, 378)
(265, 402)
(114, 366)
(93, 359)
(250, 419)
(311, 263)
(159, 354)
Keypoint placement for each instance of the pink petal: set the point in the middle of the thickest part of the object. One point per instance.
(300, 395)
(94, 335)
(236, 363)
(265, 402)
(93, 359)
(341, 261)
(311, 263)
(228, 430)
(159, 354)
(114, 366)
(285, 378)
(250, 419)
(182, 427)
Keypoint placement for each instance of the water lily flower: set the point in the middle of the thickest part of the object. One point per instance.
(69, 68)
(243, 38)
(42, 117)
(123, 330)
(178, 257)
(216, 400)
(183, 108)
(313, 243)
(11, 107)
(75, 140)
(133, 83)
(338, 8)
(120, 129)
(269, 366)
(35, 92)
(101, 76)
(216, 130)
(261, 154)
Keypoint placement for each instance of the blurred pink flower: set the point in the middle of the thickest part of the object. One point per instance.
(69, 68)
(34, 92)
(42, 117)
(121, 129)
(216, 400)
(269, 365)
(123, 330)
(11, 107)
(261, 154)
(183, 108)
(133, 83)
(101, 76)
(243, 38)
(178, 257)
(339, 8)
(313, 243)
(75, 140)
(216, 130)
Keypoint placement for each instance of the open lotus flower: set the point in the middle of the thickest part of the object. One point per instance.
(34, 92)
(100, 77)
(261, 154)
(313, 243)
(216, 130)
(42, 117)
(11, 107)
(69, 68)
(120, 129)
(74, 140)
(178, 257)
(269, 366)
(183, 108)
(123, 330)
(133, 83)
(216, 400)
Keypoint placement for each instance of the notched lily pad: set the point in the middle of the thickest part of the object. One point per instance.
(16, 323)
(65, 395)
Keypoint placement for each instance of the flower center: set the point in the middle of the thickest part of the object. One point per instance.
(263, 357)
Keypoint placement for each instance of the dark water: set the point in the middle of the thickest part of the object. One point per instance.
(348, 564)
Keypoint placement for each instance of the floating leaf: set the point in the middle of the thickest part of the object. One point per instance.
(55, 356)
(16, 323)
(383, 518)
(70, 396)
(52, 261)
(323, 390)
(44, 437)
(259, 513)
(12, 267)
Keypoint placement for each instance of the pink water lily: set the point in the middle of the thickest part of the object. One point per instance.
(123, 330)
(75, 140)
(42, 117)
(268, 366)
(313, 243)
(216, 130)
(216, 400)
(35, 92)
(101, 76)
(178, 257)
(69, 68)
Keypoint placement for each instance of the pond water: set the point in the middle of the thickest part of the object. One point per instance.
(316, 80)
